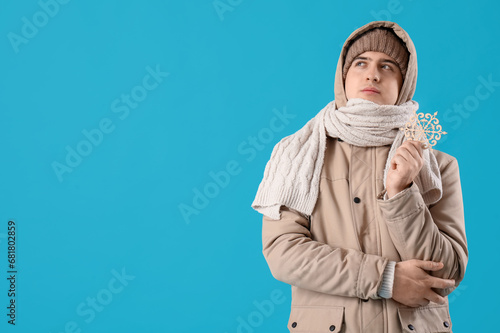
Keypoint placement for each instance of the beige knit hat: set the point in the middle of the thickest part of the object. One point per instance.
(379, 40)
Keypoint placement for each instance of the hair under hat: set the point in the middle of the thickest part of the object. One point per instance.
(378, 40)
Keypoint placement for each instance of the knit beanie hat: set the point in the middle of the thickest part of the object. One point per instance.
(378, 40)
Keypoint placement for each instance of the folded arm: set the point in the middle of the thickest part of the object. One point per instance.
(295, 258)
(436, 233)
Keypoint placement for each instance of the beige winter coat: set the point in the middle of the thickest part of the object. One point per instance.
(335, 258)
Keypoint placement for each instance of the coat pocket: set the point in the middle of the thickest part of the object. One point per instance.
(433, 319)
(316, 319)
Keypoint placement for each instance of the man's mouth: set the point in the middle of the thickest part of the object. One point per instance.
(371, 90)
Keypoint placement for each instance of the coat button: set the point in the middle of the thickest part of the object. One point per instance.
(357, 200)
(446, 324)
(294, 324)
(411, 327)
(340, 140)
(332, 328)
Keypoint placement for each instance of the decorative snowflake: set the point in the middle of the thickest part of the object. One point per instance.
(424, 128)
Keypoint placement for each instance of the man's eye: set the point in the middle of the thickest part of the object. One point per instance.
(386, 67)
(359, 63)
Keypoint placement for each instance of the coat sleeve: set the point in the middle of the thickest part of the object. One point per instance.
(295, 258)
(436, 233)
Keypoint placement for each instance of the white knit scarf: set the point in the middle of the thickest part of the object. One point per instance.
(292, 175)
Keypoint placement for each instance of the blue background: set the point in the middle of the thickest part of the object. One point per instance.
(229, 72)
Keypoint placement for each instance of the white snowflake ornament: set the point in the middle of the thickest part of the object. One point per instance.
(424, 128)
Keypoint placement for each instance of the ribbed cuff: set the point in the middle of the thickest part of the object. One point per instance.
(385, 289)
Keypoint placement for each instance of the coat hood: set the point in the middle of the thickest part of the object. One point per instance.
(410, 79)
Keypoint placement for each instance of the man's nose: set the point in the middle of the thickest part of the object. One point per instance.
(372, 74)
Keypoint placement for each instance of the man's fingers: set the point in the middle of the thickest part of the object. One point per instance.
(405, 153)
(400, 156)
(402, 160)
(408, 155)
(413, 151)
(434, 297)
(417, 145)
(442, 283)
(423, 302)
(430, 265)
(416, 305)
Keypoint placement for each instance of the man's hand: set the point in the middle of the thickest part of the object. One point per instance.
(412, 284)
(405, 166)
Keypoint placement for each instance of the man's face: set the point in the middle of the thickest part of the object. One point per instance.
(374, 76)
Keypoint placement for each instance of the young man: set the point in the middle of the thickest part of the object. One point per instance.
(366, 227)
